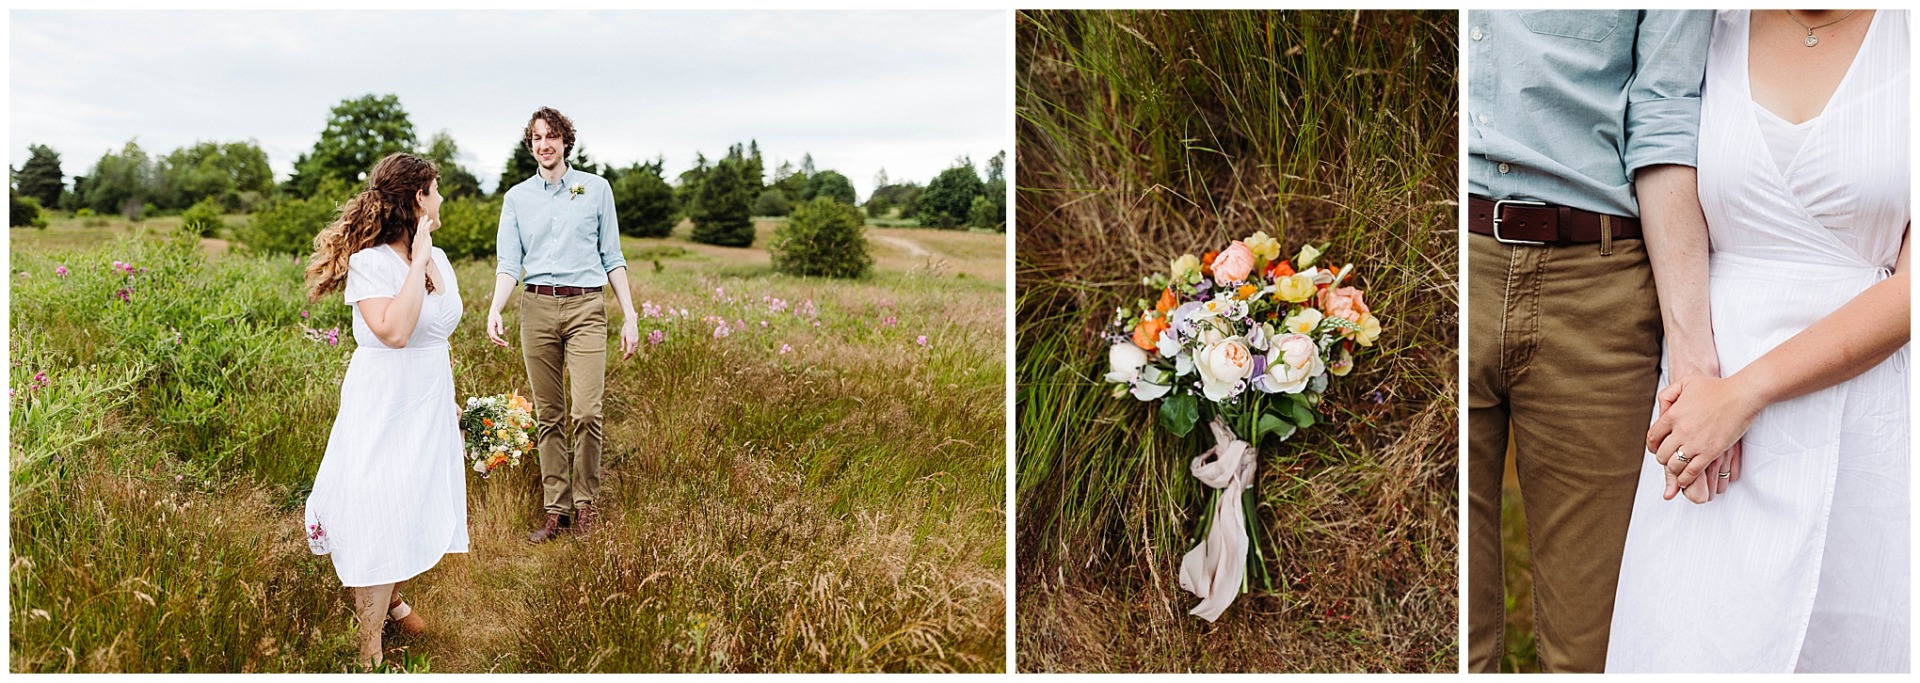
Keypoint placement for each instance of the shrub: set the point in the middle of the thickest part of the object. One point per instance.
(468, 228)
(772, 202)
(24, 210)
(203, 218)
(949, 198)
(822, 237)
(287, 225)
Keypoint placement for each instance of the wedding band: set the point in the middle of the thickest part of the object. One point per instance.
(1724, 475)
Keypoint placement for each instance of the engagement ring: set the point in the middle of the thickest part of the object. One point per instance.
(1680, 455)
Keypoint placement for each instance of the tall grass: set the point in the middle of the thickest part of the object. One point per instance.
(836, 507)
(1146, 134)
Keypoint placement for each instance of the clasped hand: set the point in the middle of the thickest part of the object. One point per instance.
(1701, 417)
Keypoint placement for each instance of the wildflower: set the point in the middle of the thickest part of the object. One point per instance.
(888, 321)
(921, 341)
(656, 337)
(785, 349)
(60, 271)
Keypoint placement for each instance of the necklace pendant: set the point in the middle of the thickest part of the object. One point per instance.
(1812, 41)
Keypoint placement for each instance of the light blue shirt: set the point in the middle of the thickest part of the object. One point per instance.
(1564, 106)
(551, 235)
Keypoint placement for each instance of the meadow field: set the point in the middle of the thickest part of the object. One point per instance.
(805, 475)
(1143, 135)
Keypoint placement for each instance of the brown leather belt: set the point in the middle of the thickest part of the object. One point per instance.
(562, 291)
(1539, 223)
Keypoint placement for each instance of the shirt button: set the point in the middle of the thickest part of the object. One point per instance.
(1504, 167)
(1477, 34)
(1483, 119)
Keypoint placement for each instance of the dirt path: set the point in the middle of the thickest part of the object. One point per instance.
(913, 249)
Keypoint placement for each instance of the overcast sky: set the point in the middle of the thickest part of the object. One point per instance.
(907, 91)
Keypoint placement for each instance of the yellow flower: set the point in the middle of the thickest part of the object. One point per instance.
(1369, 330)
(1245, 291)
(1307, 256)
(1185, 266)
(1294, 288)
(1304, 321)
(1263, 246)
(1342, 363)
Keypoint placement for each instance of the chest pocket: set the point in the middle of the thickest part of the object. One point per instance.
(579, 219)
(1588, 25)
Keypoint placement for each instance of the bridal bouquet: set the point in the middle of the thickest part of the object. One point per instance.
(1247, 340)
(498, 430)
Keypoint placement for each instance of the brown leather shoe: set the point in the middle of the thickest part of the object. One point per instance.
(404, 618)
(548, 529)
(585, 519)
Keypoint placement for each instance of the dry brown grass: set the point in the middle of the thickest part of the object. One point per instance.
(1147, 134)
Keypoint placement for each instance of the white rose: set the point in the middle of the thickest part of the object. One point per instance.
(1293, 361)
(1124, 362)
(1222, 365)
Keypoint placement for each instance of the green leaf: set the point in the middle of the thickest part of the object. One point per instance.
(1297, 410)
(1272, 424)
(1178, 413)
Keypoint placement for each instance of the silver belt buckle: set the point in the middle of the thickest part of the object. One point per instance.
(1498, 207)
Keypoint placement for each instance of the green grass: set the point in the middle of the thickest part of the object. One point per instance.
(836, 508)
(1146, 134)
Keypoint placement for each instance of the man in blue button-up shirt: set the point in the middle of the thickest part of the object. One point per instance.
(560, 236)
(1582, 129)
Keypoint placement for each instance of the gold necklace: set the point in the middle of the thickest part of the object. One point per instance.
(1812, 41)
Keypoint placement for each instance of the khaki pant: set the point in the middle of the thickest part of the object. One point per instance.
(1563, 358)
(570, 334)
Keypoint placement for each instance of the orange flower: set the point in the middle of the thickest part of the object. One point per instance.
(1246, 291)
(486, 422)
(1206, 263)
(1167, 302)
(1280, 269)
(1147, 335)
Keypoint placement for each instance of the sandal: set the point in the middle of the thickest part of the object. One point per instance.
(402, 616)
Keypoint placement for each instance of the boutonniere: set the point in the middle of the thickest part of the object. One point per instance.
(576, 191)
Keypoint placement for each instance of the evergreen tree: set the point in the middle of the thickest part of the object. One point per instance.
(771, 202)
(686, 195)
(644, 200)
(992, 215)
(520, 167)
(40, 178)
(722, 213)
(456, 182)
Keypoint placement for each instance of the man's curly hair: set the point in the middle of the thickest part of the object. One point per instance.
(556, 121)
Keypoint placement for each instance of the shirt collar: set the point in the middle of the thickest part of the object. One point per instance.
(566, 179)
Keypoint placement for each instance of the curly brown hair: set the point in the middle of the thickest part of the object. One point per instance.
(384, 213)
(556, 121)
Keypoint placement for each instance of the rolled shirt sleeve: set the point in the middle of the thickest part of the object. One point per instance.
(1663, 100)
(507, 245)
(610, 256)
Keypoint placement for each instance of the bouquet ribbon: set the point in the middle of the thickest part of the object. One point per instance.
(1213, 570)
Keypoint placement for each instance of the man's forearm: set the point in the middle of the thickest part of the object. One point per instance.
(1675, 231)
(622, 291)
(502, 290)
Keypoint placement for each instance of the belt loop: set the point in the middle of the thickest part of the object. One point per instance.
(1606, 235)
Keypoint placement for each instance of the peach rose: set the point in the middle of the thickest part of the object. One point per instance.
(1344, 303)
(1147, 334)
(1234, 264)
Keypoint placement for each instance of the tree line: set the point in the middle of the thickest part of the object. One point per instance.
(720, 196)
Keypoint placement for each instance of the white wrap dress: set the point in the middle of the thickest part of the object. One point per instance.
(1802, 565)
(391, 495)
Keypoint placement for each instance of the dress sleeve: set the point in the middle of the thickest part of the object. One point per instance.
(371, 275)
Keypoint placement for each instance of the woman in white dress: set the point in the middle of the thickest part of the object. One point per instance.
(390, 496)
(1796, 558)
